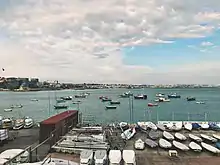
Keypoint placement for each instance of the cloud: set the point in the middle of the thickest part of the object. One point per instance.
(207, 44)
(73, 42)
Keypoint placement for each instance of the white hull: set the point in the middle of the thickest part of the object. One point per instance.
(180, 136)
(195, 147)
(128, 134)
(146, 125)
(180, 146)
(28, 125)
(123, 124)
(204, 126)
(139, 144)
(216, 136)
(176, 126)
(8, 110)
(194, 137)
(161, 127)
(164, 143)
(210, 148)
(18, 127)
(188, 126)
(206, 137)
(168, 135)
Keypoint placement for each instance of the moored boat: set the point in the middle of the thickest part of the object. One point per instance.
(152, 105)
(140, 97)
(80, 96)
(210, 148)
(105, 99)
(195, 138)
(7, 123)
(200, 102)
(139, 144)
(128, 134)
(209, 138)
(66, 97)
(162, 99)
(195, 147)
(177, 126)
(114, 102)
(153, 134)
(8, 109)
(60, 100)
(173, 95)
(151, 143)
(17, 106)
(191, 99)
(126, 95)
(160, 95)
(179, 136)
(110, 107)
(180, 146)
(168, 135)
(164, 143)
(60, 106)
(34, 100)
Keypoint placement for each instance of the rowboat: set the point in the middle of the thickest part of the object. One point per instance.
(209, 138)
(179, 136)
(210, 148)
(194, 137)
(188, 126)
(139, 144)
(161, 127)
(128, 134)
(164, 143)
(151, 143)
(154, 134)
(216, 136)
(195, 147)
(180, 146)
(168, 135)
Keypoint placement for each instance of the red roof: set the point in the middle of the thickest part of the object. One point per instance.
(59, 117)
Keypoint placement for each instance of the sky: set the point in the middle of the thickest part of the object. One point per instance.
(111, 41)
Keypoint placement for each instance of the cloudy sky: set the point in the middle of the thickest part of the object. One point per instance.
(113, 41)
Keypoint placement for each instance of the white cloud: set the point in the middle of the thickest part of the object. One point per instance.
(71, 41)
(207, 44)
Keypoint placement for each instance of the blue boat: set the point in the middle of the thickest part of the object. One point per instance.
(214, 126)
(217, 145)
(195, 126)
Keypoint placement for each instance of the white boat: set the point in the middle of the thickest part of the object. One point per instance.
(123, 124)
(7, 123)
(19, 124)
(100, 157)
(17, 106)
(195, 147)
(151, 143)
(169, 125)
(168, 135)
(164, 143)
(34, 100)
(128, 134)
(200, 102)
(161, 127)
(8, 109)
(160, 95)
(204, 125)
(194, 137)
(86, 157)
(210, 148)
(161, 99)
(180, 136)
(129, 157)
(216, 136)
(10, 153)
(180, 146)
(28, 122)
(139, 144)
(206, 137)
(176, 126)
(188, 126)
(146, 125)
(114, 157)
(154, 134)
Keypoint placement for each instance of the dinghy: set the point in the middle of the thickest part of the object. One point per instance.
(164, 143)
(194, 137)
(206, 137)
(180, 136)
(176, 126)
(146, 125)
(139, 144)
(210, 148)
(180, 146)
(204, 125)
(169, 125)
(195, 147)
(214, 126)
(216, 136)
(195, 126)
(161, 127)
(168, 135)
(188, 126)
(154, 134)
(128, 134)
(152, 126)
(151, 143)
(123, 124)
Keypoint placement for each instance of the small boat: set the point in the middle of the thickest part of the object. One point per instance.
(110, 107)
(180, 146)
(7, 123)
(8, 109)
(195, 147)
(173, 96)
(164, 143)
(177, 126)
(28, 122)
(114, 157)
(151, 143)
(204, 125)
(139, 144)
(214, 126)
(105, 99)
(67, 98)
(86, 157)
(34, 100)
(18, 124)
(80, 96)
(145, 125)
(160, 95)
(188, 126)
(60, 106)
(179, 136)
(140, 97)
(128, 157)
(151, 126)
(210, 148)
(151, 104)
(17, 106)
(77, 102)
(195, 138)
(126, 95)
(123, 125)
(161, 99)
(128, 134)
(216, 136)
(195, 126)
(191, 99)
(168, 135)
(115, 102)
(209, 138)
(60, 100)
(154, 134)
(100, 157)
(161, 127)
(101, 97)
(217, 145)
(200, 102)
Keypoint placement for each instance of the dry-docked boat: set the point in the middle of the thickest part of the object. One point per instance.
(194, 137)
(180, 146)
(128, 134)
(151, 143)
(161, 127)
(139, 144)
(179, 136)
(164, 143)
(146, 125)
(153, 134)
(86, 157)
(204, 125)
(216, 136)
(129, 157)
(195, 147)
(210, 148)
(176, 126)
(115, 157)
(152, 104)
(100, 157)
(188, 126)
(168, 135)
(210, 138)
(18, 124)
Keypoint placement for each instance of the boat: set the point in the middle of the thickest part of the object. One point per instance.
(216, 136)
(140, 97)
(86, 157)
(8, 109)
(152, 105)
(77, 102)
(188, 126)
(129, 157)
(180, 146)
(195, 126)
(200, 102)
(18, 124)
(160, 95)
(154, 134)
(60, 101)
(28, 122)
(114, 157)
(191, 99)
(110, 107)
(204, 125)
(12, 153)
(115, 102)
(105, 99)
(180, 136)
(173, 96)
(195, 147)
(67, 98)
(151, 143)
(217, 145)
(128, 134)
(4, 135)
(17, 106)
(7, 123)
(177, 126)
(210, 148)
(100, 157)
(123, 125)
(161, 127)
(164, 143)
(126, 95)
(162, 99)
(195, 138)
(80, 96)
(145, 125)
(139, 144)
(168, 135)
(34, 100)
(214, 126)
(209, 138)
(60, 106)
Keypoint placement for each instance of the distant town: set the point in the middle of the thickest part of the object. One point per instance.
(34, 84)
